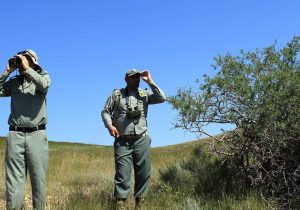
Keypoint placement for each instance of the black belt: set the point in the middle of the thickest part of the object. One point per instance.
(27, 129)
(133, 136)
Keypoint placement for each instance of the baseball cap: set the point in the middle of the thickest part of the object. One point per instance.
(132, 72)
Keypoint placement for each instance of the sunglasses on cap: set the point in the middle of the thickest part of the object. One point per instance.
(26, 53)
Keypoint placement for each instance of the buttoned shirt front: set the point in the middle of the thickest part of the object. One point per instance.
(28, 97)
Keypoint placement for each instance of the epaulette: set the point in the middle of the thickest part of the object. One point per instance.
(43, 72)
(14, 77)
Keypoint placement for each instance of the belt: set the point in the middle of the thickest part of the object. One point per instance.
(133, 136)
(27, 129)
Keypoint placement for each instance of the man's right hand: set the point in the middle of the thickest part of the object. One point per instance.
(113, 131)
(9, 69)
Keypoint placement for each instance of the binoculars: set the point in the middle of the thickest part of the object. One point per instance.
(130, 114)
(14, 61)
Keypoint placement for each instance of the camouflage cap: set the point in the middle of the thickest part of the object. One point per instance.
(132, 72)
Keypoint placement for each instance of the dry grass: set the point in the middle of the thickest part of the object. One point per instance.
(81, 177)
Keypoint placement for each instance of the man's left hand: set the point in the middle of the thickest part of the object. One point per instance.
(24, 65)
(146, 76)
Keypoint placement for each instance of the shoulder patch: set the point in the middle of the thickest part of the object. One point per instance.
(142, 92)
(117, 92)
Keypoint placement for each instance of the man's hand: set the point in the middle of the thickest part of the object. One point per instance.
(113, 131)
(9, 69)
(146, 76)
(24, 65)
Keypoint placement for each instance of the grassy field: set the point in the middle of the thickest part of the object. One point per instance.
(81, 177)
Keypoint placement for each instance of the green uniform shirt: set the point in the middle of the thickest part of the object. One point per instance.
(115, 109)
(28, 99)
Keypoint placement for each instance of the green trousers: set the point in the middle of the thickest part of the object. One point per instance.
(26, 152)
(128, 153)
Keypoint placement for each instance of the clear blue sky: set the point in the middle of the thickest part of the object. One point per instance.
(87, 46)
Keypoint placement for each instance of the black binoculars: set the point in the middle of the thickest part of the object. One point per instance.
(133, 113)
(14, 61)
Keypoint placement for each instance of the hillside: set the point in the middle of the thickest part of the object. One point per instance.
(80, 176)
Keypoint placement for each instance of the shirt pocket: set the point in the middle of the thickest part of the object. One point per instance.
(143, 105)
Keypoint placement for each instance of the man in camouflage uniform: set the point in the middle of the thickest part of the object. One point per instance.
(125, 116)
(27, 144)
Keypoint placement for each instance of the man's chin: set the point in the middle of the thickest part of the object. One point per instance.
(134, 87)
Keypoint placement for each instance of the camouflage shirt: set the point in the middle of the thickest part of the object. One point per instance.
(115, 109)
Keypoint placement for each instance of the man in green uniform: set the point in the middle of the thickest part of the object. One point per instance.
(125, 116)
(27, 144)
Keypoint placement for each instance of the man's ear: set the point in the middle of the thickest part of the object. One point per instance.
(29, 59)
(37, 68)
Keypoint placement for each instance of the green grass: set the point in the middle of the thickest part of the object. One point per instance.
(81, 177)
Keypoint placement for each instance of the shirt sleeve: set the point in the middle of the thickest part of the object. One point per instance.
(156, 96)
(42, 81)
(4, 86)
(108, 110)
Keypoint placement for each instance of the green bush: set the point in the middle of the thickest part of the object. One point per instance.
(175, 177)
(258, 93)
(211, 176)
(201, 175)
